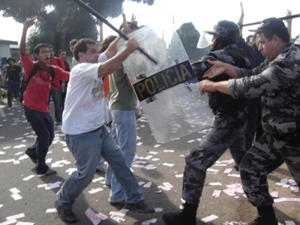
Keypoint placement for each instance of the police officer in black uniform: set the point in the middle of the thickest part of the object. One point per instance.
(228, 127)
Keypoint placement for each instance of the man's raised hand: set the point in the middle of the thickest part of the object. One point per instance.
(217, 68)
(30, 21)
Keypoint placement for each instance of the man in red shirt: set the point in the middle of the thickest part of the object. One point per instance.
(35, 99)
(55, 90)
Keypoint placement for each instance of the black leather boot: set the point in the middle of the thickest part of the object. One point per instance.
(266, 216)
(186, 217)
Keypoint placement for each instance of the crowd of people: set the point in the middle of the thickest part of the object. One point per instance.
(253, 91)
(12, 75)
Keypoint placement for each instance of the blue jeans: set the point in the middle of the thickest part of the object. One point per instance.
(101, 162)
(43, 126)
(57, 100)
(108, 120)
(12, 89)
(87, 148)
(124, 133)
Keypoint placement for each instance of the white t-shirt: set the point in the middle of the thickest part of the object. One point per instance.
(85, 103)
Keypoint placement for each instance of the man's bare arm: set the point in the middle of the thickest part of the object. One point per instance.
(112, 64)
(112, 48)
(28, 23)
(219, 68)
(209, 86)
(289, 21)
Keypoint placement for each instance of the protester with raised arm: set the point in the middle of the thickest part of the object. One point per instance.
(35, 99)
(86, 134)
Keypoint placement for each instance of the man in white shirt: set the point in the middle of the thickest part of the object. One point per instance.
(84, 126)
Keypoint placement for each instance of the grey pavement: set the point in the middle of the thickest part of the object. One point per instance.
(24, 197)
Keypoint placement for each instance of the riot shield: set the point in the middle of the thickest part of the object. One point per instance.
(167, 91)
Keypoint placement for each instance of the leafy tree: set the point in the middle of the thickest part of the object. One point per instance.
(61, 20)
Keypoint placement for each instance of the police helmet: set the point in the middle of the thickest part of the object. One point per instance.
(225, 32)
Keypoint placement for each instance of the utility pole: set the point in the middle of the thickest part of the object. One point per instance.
(100, 30)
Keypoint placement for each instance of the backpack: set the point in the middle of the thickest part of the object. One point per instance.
(34, 70)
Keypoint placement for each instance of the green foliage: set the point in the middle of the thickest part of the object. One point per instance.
(294, 39)
(66, 21)
(3, 93)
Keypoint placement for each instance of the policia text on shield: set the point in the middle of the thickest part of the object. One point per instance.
(163, 80)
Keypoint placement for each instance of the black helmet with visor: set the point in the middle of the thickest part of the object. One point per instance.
(225, 32)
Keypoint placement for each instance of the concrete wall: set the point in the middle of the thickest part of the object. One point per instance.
(5, 50)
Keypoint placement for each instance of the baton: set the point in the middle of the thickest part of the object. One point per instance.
(281, 18)
(96, 14)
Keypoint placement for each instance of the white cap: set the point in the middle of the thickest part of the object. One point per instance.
(297, 41)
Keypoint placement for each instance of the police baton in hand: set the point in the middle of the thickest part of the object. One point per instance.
(281, 18)
(96, 14)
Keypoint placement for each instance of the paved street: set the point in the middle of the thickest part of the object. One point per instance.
(24, 197)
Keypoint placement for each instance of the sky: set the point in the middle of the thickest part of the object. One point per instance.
(171, 14)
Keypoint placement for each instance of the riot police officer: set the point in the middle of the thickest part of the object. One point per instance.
(228, 126)
(276, 81)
